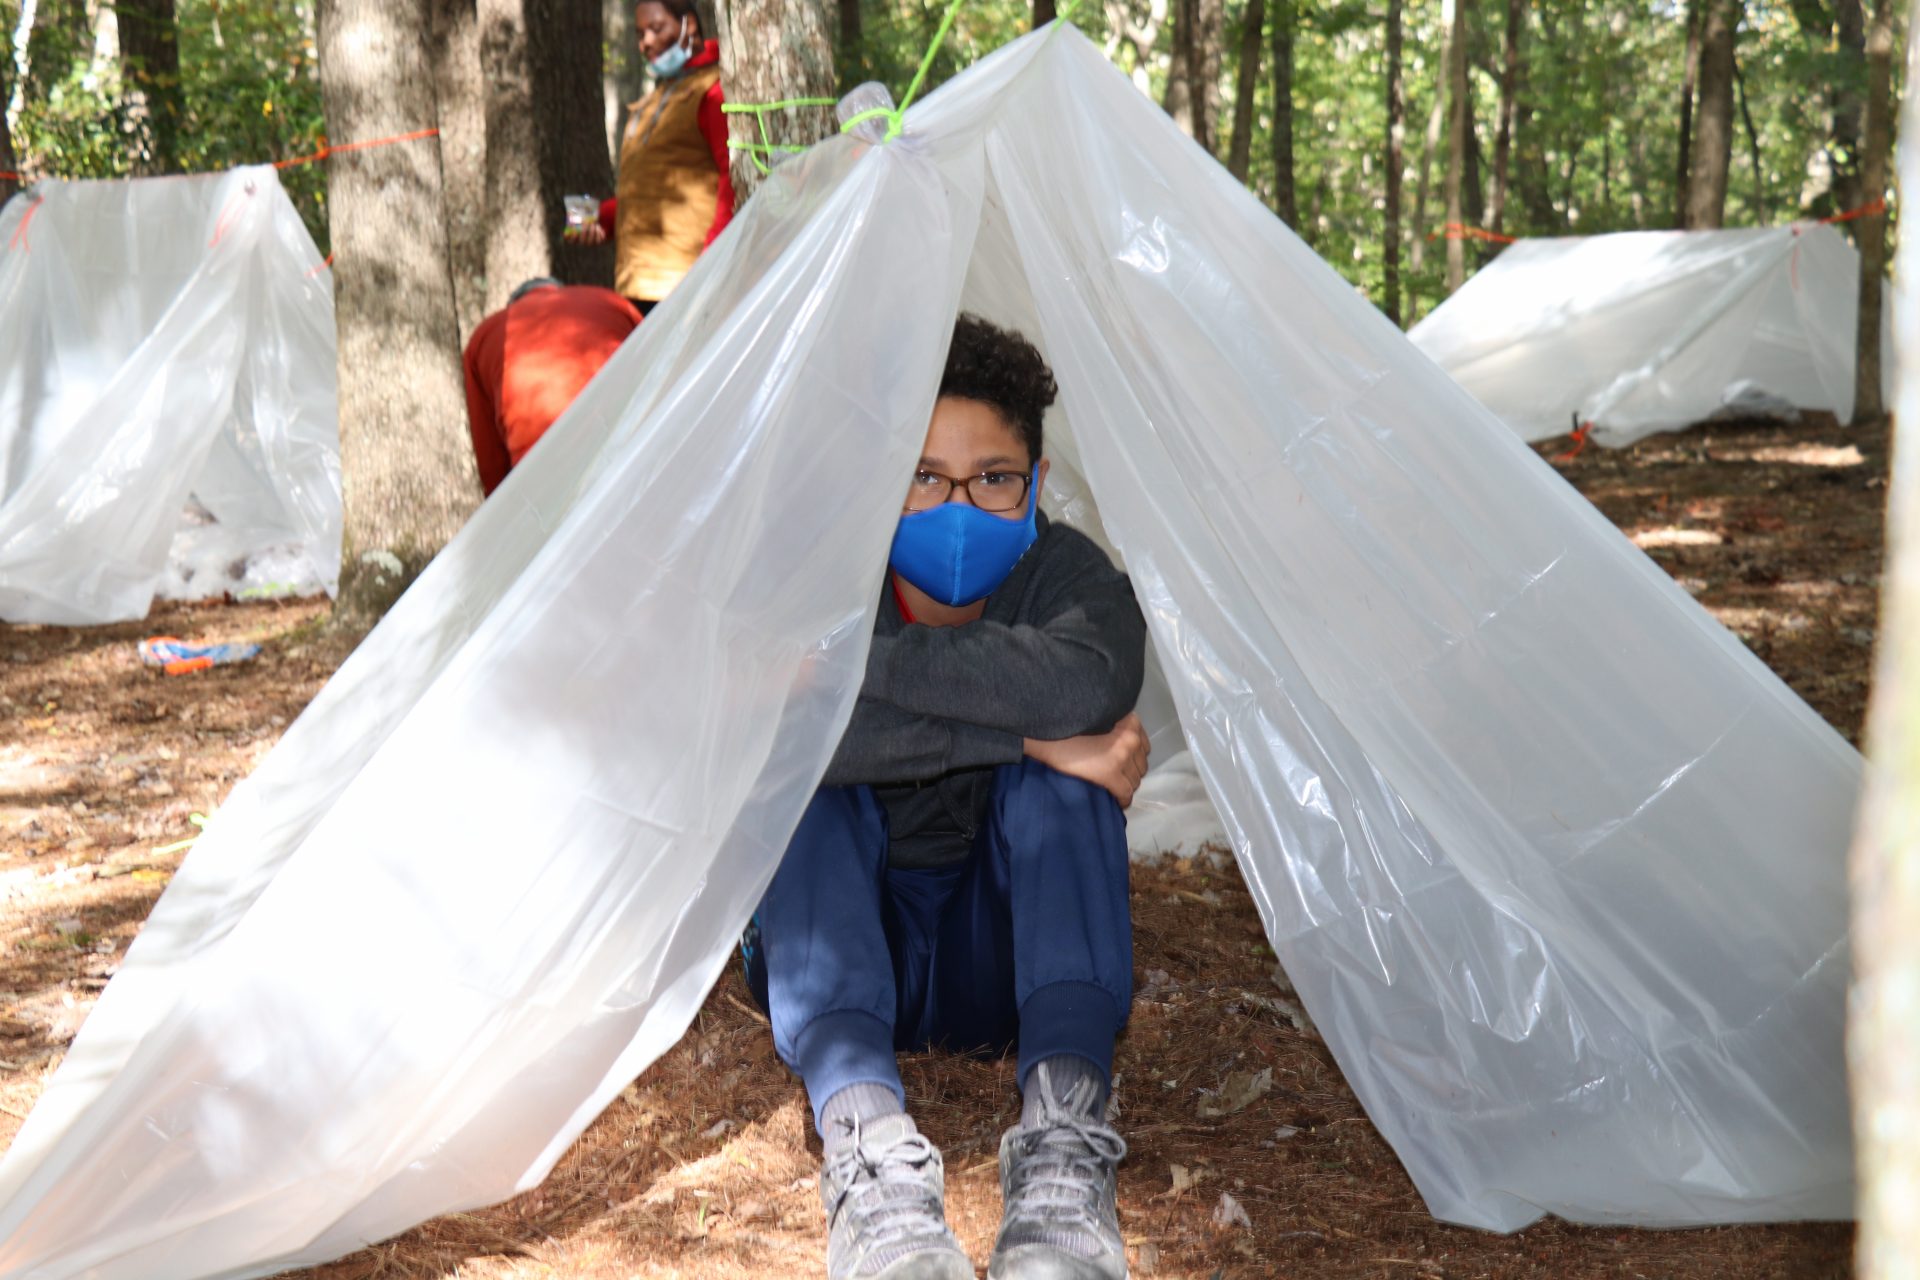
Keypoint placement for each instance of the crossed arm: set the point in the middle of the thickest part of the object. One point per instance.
(1059, 690)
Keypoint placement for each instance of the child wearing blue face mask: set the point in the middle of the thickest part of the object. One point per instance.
(675, 193)
(960, 879)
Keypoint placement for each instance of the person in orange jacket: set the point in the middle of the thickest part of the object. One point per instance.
(526, 362)
(675, 190)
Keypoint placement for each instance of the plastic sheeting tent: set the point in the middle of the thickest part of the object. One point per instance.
(1554, 862)
(1646, 331)
(168, 419)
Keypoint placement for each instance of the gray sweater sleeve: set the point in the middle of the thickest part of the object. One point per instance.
(884, 745)
(1072, 665)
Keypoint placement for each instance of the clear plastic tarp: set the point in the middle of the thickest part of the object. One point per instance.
(168, 416)
(1645, 331)
(1554, 862)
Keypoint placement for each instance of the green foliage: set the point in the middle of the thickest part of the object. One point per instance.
(1594, 150)
(249, 82)
(1595, 146)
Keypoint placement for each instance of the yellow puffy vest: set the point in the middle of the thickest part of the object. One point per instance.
(668, 188)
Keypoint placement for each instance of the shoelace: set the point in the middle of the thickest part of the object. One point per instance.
(1070, 1155)
(892, 1202)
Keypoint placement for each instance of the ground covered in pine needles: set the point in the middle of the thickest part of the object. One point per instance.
(1249, 1156)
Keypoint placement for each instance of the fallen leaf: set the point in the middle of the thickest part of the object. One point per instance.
(1241, 1090)
(1231, 1213)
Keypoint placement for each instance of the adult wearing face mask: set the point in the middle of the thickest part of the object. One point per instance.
(675, 193)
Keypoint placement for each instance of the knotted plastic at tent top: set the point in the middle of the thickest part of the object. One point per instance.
(168, 415)
(1553, 861)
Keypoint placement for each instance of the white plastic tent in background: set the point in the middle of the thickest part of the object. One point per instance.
(1645, 331)
(1553, 861)
(168, 417)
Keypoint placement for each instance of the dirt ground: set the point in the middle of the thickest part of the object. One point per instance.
(705, 1167)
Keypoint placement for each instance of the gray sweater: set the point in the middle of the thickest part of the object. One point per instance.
(1059, 652)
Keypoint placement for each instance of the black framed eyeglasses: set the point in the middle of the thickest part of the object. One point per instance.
(994, 491)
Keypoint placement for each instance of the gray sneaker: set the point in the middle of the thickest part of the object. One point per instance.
(883, 1186)
(1058, 1220)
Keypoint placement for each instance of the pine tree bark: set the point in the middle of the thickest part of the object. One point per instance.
(1870, 231)
(1712, 154)
(1396, 161)
(1459, 124)
(1883, 1009)
(1252, 38)
(1285, 196)
(460, 103)
(545, 140)
(1503, 140)
(621, 82)
(405, 456)
(150, 68)
(772, 50)
(1209, 36)
(1689, 82)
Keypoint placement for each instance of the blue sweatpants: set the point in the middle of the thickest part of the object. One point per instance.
(1030, 941)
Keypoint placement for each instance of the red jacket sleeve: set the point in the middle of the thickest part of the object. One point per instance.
(607, 210)
(713, 126)
(486, 354)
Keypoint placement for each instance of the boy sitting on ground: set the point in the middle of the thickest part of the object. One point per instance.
(959, 881)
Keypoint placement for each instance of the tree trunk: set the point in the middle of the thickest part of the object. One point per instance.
(1870, 231)
(1689, 78)
(771, 50)
(1460, 122)
(1043, 11)
(620, 80)
(150, 65)
(1883, 1008)
(460, 102)
(9, 163)
(1178, 99)
(1435, 120)
(1209, 31)
(405, 454)
(1753, 149)
(544, 140)
(1843, 146)
(1503, 140)
(1240, 151)
(1284, 199)
(60, 35)
(1713, 127)
(1396, 160)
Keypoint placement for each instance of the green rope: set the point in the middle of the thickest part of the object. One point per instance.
(896, 117)
(742, 108)
(926, 64)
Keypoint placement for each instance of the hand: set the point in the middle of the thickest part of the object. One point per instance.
(592, 233)
(1115, 760)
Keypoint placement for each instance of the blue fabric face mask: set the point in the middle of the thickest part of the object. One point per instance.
(958, 553)
(674, 60)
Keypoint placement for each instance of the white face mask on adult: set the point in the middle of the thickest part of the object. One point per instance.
(674, 60)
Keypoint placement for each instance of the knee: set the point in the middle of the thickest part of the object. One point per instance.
(1031, 783)
(1043, 810)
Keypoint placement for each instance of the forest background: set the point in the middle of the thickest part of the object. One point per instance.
(1585, 115)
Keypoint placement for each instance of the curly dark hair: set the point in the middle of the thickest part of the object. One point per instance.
(1001, 369)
